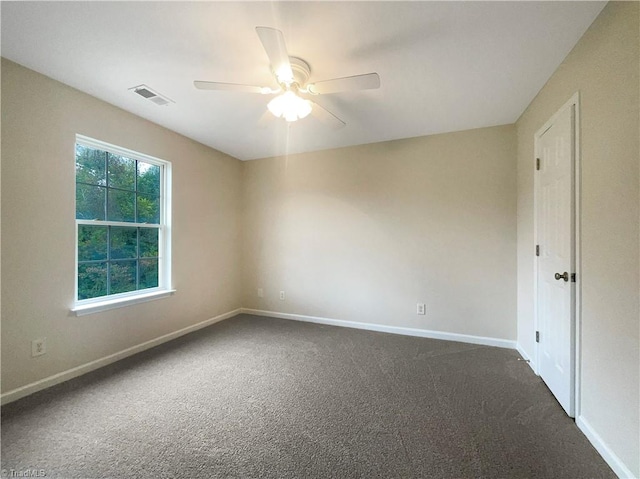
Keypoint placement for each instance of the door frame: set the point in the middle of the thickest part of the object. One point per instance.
(574, 102)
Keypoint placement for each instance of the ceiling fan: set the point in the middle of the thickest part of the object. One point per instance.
(292, 74)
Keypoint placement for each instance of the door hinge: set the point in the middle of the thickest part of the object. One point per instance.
(537, 250)
(537, 336)
(573, 277)
(537, 163)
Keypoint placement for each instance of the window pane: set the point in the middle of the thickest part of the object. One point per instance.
(121, 206)
(90, 202)
(124, 243)
(148, 243)
(148, 210)
(122, 172)
(148, 273)
(148, 179)
(92, 280)
(123, 276)
(114, 192)
(92, 243)
(90, 166)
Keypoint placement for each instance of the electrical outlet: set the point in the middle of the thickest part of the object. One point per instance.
(260, 293)
(282, 296)
(421, 309)
(38, 347)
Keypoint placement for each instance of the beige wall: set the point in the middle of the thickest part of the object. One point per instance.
(40, 118)
(364, 233)
(604, 68)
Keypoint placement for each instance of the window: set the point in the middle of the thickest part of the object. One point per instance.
(122, 226)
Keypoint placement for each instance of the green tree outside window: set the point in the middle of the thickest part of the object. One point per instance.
(110, 188)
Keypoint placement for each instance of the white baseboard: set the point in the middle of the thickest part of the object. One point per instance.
(31, 388)
(423, 333)
(526, 357)
(621, 470)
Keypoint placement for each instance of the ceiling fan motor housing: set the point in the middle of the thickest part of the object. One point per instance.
(301, 70)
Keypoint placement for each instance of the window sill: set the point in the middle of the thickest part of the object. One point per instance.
(90, 308)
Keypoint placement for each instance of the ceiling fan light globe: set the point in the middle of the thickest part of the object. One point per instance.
(275, 107)
(290, 116)
(304, 108)
(290, 106)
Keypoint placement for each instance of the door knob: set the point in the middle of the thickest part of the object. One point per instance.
(564, 276)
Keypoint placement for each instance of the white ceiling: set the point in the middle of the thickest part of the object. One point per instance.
(444, 66)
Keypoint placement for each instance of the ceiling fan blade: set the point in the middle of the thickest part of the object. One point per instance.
(326, 117)
(368, 81)
(273, 43)
(213, 85)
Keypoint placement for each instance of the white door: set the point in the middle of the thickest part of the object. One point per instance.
(555, 231)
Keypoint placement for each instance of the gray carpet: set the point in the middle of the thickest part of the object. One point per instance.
(267, 398)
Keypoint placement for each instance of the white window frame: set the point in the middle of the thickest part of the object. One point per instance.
(164, 289)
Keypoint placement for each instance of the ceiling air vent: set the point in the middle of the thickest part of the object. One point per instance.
(147, 93)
